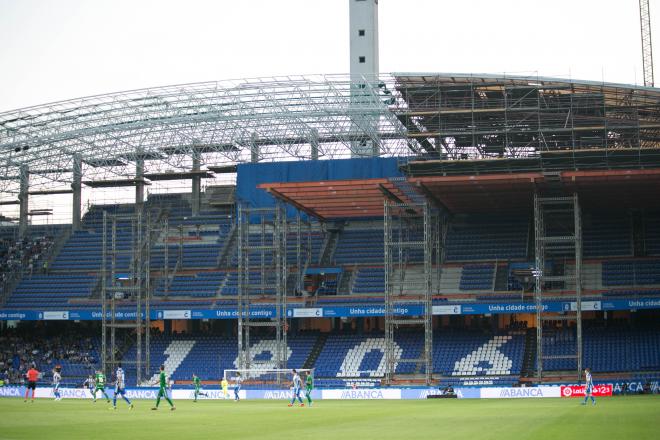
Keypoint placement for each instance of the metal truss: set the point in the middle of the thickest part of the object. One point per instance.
(410, 230)
(262, 278)
(228, 122)
(453, 116)
(558, 242)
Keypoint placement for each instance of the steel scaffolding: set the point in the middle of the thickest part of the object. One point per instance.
(262, 278)
(126, 288)
(410, 229)
(303, 242)
(558, 240)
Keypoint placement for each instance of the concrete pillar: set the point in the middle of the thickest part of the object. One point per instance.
(254, 148)
(363, 37)
(314, 143)
(196, 184)
(363, 25)
(76, 186)
(24, 176)
(139, 186)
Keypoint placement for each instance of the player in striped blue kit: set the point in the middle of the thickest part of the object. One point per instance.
(297, 387)
(589, 387)
(120, 388)
(237, 386)
(57, 378)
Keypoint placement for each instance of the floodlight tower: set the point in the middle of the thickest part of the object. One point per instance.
(364, 37)
(647, 47)
(363, 30)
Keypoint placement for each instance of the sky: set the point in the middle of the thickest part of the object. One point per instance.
(55, 50)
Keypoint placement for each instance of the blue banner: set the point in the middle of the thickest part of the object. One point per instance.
(333, 311)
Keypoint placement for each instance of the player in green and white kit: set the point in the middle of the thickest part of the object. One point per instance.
(99, 385)
(162, 391)
(309, 386)
(197, 383)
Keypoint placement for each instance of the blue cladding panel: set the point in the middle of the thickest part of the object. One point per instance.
(250, 175)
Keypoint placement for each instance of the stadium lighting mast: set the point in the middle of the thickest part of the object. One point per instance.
(647, 47)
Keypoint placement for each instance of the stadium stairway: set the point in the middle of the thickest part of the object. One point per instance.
(529, 359)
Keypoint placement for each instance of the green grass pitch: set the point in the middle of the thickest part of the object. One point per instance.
(631, 417)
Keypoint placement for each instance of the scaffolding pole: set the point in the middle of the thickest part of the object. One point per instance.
(126, 287)
(262, 278)
(557, 234)
(410, 229)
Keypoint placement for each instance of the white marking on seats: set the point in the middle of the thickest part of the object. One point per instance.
(270, 346)
(499, 362)
(176, 352)
(350, 366)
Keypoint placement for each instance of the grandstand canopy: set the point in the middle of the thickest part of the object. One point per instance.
(335, 199)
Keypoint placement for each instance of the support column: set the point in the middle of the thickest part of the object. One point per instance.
(76, 186)
(139, 185)
(24, 176)
(254, 148)
(314, 144)
(196, 183)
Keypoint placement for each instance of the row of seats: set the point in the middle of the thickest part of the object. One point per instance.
(370, 280)
(203, 284)
(50, 290)
(631, 272)
(469, 357)
(495, 238)
(477, 277)
(605, 350)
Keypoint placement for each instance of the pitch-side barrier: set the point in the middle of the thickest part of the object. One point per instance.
(333, 394)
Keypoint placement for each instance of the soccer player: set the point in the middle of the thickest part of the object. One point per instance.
(32, 376)
(57, 377)
(120, 388)
(309, 386)
(224, 385)
(198, 386)
(162, 390)
(99, 385)
(89, 383)
(237, 386)
(589, 387)
(297, 385)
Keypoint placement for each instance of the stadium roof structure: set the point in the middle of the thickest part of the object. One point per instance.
(440, 118)
(222, 123)
(461, 116)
